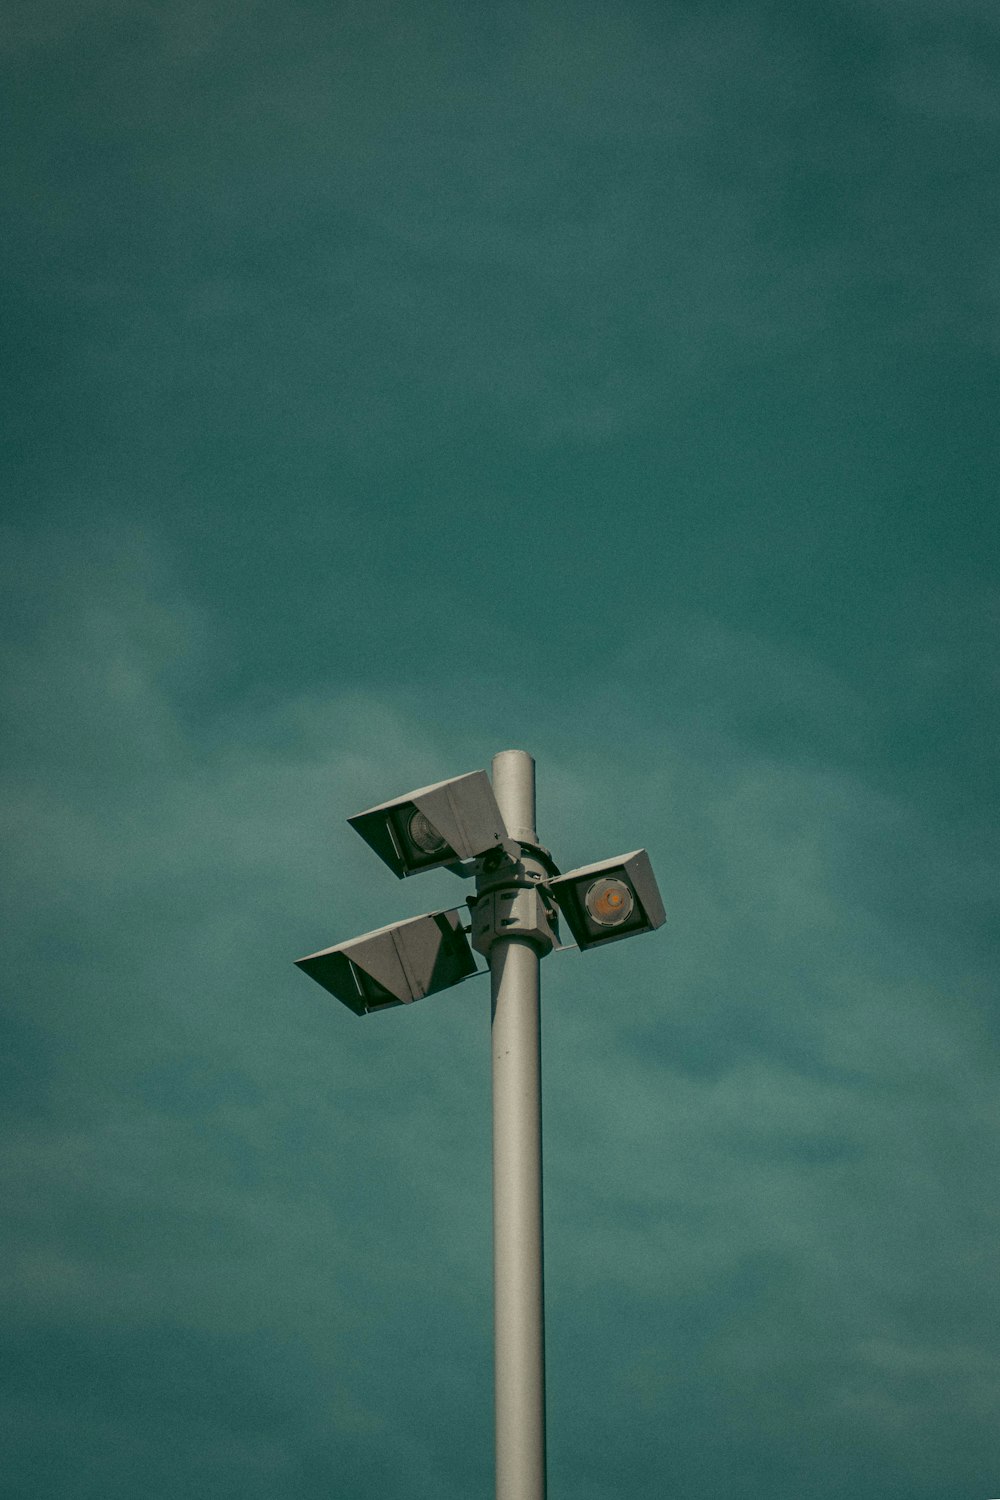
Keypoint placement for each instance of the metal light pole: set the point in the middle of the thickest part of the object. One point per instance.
(472, 827)
(518, 1309)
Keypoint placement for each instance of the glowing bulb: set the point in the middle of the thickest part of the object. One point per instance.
(424, 835)
(609, 902)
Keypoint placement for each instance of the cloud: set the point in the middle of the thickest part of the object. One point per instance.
(784, 1090)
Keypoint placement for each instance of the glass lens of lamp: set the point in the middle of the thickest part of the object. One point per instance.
(424, 835)
(609, 902)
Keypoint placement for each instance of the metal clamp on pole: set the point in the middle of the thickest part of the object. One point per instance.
(513, 913)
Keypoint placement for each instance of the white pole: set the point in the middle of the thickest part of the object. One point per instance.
(519, 1347)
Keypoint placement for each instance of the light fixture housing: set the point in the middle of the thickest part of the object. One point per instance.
(613, 899)
(436, 827)
(395, 965)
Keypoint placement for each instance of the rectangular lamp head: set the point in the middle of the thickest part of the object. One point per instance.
(395, 965)
(616, 898)
(436, 826)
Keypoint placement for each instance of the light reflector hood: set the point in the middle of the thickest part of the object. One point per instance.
(461, 812)
(395, 965)
(599, 920)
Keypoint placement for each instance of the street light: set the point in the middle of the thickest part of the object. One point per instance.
(611, 900)
(395, 965)
(440, 825)
(471, 827)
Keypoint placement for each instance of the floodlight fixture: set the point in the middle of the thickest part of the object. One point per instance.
(610, 900)
(395, 965)
(437, 827)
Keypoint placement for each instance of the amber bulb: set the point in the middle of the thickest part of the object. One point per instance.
(609, 902)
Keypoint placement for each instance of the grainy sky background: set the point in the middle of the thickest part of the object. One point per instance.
(390, 384)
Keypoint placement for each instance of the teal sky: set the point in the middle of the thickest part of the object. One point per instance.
(387, 385)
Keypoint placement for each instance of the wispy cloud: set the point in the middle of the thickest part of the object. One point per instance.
(782, 1089)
